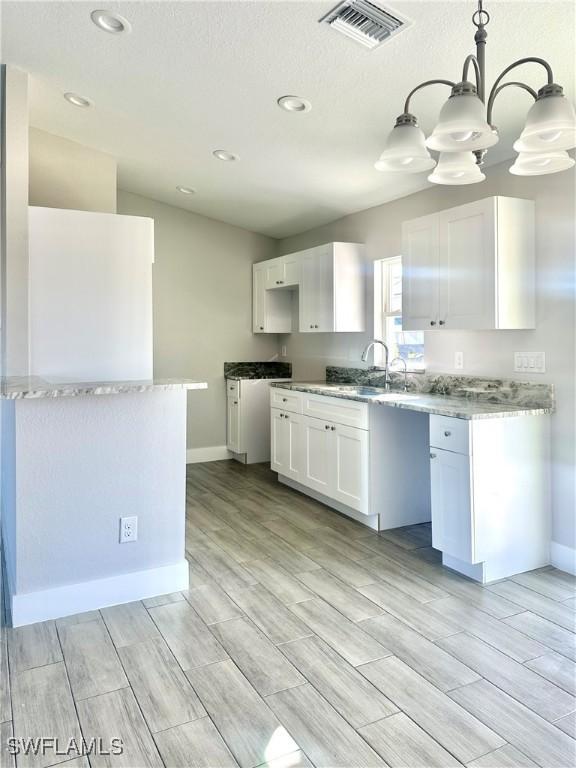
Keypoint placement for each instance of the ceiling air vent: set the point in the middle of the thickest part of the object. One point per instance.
(365, 22)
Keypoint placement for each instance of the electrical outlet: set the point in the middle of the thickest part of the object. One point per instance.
(128, 529)
(531, 362)
(459, 360)
(283, 352)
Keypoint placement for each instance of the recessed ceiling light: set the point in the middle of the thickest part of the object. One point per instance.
(186, 190)
(78, 101)
(111, 22)
(223, 154)
(294, 104)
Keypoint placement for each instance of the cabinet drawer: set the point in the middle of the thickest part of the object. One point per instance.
(351, 413)
(233, 388)
(286, 400)
(450, 433)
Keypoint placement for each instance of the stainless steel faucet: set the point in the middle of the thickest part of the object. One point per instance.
(401, 360)
(364, 358)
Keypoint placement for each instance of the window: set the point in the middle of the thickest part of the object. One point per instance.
(408, 345)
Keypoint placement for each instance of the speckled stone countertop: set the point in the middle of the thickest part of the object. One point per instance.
(425, 402)
(34, 387)
(266, 370)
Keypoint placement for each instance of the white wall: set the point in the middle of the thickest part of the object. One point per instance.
(202, 281)
(487, 352)
(65, 174)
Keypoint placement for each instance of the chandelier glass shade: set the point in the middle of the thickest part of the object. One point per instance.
(405, 150)
(465, 130)
(540, 163)
(456, 168)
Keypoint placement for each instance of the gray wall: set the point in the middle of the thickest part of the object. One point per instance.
(485, 352)
(65, 174)
(202, 279)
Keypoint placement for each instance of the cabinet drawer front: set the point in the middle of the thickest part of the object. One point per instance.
(351, 413)
(286, 400)
(233, 388)
(450, 433)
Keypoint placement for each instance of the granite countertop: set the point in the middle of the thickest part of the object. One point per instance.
(272, 369)
(34, 387)
(457, 407)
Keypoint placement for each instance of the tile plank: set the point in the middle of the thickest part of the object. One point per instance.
(345, 637)
(541, 696)
(505, 638)
(402, 743)
(545, 632)
(194, 745)
(546, 584)
(187, 636)
(212, 604)
(438, 667)
(465, 736)
(556, 668)
(250, 729)
(556, 612)
(344, 598)
(322, 733)
(357, 700)
(91, 659)
(505, 757)
(116, 716)
(129, 623)
(5, 700)
(162, 690)
(403, 579)
(33, 646)
(528, 732)
(278, 581)
(261, 662)
(348, 571)
(270, 615)
(43, 706)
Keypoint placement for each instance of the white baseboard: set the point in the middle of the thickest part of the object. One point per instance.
(99, 593)
(210, 453)
(563, 557)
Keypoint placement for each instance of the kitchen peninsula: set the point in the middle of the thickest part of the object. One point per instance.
(78, 457)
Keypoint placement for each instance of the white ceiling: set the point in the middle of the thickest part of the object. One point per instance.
(196, 76)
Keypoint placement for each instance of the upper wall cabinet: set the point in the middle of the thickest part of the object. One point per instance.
(470, 267)
(320, 290)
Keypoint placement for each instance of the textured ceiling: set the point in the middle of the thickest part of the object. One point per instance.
(196, 76)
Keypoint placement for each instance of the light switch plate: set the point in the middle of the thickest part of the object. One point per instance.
(283, 351)
(458, 360)
(530, 362)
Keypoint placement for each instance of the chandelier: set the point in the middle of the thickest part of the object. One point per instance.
(465, 131)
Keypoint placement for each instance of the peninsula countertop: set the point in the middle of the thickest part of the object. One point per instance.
(457, 407)
(35, 387)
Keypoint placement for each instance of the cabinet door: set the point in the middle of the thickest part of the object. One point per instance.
(452, 509)
(278, 442)
(274, 273)
(420, 269)
(258, 298)
(316, 291)
(350, 460)
(287, 454)
(318, 472)
(467, 286)
(233, 429)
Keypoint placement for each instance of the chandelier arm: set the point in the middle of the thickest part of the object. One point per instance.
(471, 59)
(425, 85)
(496, 91)
(528, 60)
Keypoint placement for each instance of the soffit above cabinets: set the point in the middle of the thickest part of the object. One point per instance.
(192, 77)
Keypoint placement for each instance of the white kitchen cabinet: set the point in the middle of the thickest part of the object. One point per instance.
(318, 459)
(490, 491)
(320, 290)
(271, 310)
(351, 464)
(332, 289)
(248, 419)
(451, 492)
(287, 440)
(470, 267)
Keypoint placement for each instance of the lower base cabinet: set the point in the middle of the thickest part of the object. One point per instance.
(329, 458)
(451, 504)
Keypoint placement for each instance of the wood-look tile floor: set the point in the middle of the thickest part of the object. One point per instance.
(304, 639)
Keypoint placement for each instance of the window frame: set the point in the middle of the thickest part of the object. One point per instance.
(382, 311)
